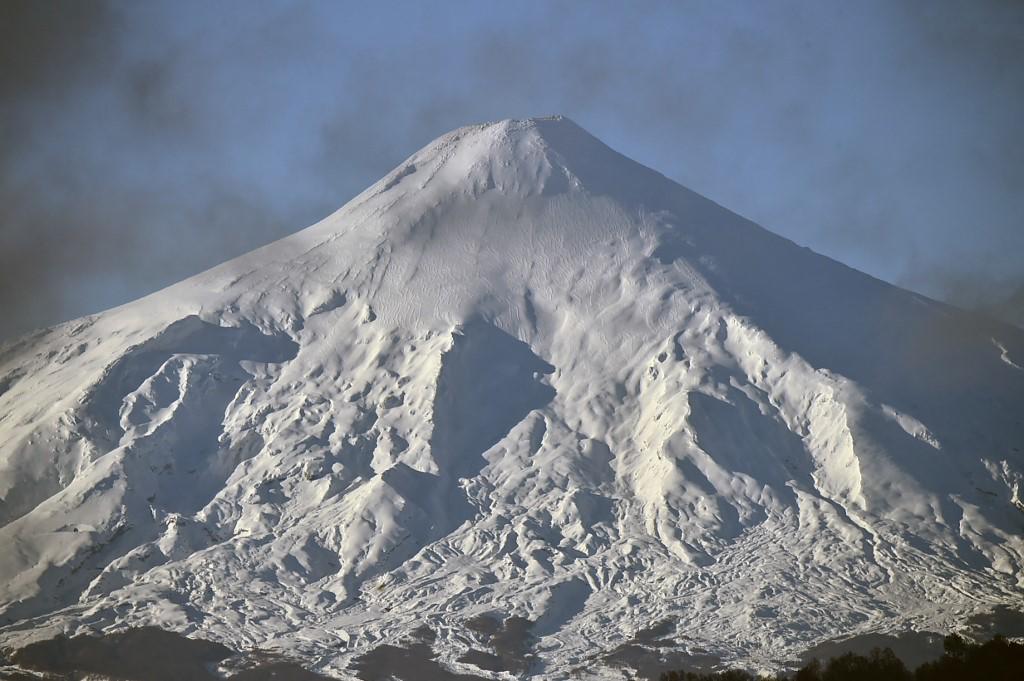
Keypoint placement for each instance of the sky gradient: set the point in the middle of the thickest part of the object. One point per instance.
(141, 143)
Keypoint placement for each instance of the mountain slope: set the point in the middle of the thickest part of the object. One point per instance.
(522, 376)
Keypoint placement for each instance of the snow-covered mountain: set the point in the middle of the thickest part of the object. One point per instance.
(521, 376)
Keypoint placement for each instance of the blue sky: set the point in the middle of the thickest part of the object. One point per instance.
(144, 142)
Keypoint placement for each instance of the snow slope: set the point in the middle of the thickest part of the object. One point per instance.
(525, 376)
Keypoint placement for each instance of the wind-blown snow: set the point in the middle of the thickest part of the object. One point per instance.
(519, 376)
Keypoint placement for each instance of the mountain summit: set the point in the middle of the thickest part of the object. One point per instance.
(520, 377)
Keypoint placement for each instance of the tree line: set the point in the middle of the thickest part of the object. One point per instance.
(996, 660)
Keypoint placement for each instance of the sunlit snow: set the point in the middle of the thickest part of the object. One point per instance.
(519, 376)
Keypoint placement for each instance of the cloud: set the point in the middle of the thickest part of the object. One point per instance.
(96, 200)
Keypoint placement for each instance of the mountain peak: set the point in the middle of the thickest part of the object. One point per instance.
(541, 155)
(548, 128)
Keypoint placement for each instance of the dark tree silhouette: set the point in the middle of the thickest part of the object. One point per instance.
(962, 660)
(996, 660)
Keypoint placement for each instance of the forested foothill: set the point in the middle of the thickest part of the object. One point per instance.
(998, 659)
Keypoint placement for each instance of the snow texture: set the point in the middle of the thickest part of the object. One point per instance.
(521, 376)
